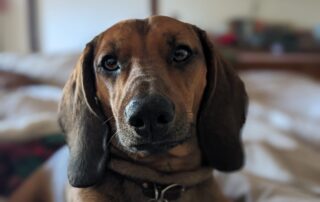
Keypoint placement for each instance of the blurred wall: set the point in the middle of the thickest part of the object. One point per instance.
(1, 32)
(67, 25)
(302, 13)
(213, 15)
(14, 33)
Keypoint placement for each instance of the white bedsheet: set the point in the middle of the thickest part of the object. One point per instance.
(282, 141)
(29, 112)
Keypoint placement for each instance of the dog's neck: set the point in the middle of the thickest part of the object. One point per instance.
(177, 173)
(182, 158)
(174, 171)
(156, 184)
(140, 172)
(159, 186)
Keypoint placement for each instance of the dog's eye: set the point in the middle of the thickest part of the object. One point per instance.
(181, 54)
(110, 63)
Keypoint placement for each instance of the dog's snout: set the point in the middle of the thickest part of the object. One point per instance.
(150, 115)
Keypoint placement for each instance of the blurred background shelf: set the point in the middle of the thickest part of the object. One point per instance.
(308, 63)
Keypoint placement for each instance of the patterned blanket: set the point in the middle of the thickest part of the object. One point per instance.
(19, 160)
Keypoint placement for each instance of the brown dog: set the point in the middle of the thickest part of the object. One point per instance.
(150, 109)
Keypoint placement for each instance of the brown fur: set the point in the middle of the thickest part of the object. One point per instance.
(210, 105)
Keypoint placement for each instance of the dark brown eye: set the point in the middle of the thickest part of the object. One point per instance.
(110, 63)
(181, 54)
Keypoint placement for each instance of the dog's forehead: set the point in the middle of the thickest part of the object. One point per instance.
(159, 27)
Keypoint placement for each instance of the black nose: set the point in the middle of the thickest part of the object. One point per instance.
(150, 116)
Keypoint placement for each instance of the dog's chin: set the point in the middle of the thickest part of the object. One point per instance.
(132, 143)
(154, 148)
(142, 148)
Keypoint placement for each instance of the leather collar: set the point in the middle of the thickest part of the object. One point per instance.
(160, 192)
(159, 187)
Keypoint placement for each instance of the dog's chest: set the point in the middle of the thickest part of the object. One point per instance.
(120, 190)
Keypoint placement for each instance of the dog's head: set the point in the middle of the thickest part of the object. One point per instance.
(150, 85)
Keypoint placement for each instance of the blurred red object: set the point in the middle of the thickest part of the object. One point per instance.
(4, 5)
(227, 39)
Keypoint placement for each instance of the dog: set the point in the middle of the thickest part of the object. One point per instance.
(149, 111)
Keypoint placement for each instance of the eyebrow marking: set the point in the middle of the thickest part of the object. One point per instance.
(142, 27)
(172, 38)
(113, 46)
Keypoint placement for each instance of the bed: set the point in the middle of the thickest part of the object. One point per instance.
(281, 137)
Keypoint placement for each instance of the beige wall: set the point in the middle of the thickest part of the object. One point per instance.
(14, 28)
(213, 15)
(1, 32)
(302, 13)
(67, 25)
(208, 14)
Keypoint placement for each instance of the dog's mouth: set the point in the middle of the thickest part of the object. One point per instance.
(133, 144)
(156, 147)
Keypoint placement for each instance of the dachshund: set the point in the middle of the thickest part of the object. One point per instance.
(149, 111)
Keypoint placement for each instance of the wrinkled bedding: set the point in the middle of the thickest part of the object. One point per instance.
(30, 111)
(282, 140)
(281, 137)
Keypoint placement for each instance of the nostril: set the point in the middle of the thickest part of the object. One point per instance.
(136, 122)
(164, 119)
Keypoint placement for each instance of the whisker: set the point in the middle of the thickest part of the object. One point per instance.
(108, 143)
(106, 121)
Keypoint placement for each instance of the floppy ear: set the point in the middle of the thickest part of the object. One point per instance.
(222, 112)
(81, 118)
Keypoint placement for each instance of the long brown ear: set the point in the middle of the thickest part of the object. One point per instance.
(81, 118)
(222, 112)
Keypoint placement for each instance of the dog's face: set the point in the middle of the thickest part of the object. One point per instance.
(152, 86)
(148, 87)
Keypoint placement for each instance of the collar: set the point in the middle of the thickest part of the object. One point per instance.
(160, 192)
(158, 186)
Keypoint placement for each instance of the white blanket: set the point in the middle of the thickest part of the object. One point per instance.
(31, 111)
(282, 141)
